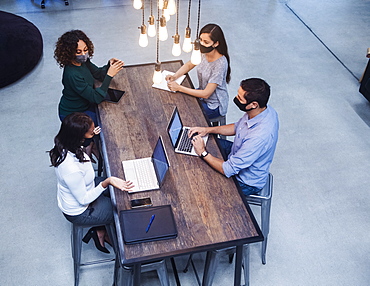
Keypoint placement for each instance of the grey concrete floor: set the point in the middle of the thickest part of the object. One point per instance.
(310, 52)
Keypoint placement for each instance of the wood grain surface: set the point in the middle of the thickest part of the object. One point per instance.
(208, 208)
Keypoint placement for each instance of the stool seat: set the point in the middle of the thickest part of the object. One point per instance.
(218, 121)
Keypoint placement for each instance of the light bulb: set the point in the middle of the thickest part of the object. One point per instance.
(138, 4)
(171, 7)
(187, 46)
(166, 14)
(163, 35)
(157, 76)
(143, 40)
(196, 56)
(160, 4)
(176, 48)
(151, 29)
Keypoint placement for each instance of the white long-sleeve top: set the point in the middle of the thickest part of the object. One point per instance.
(76, 187)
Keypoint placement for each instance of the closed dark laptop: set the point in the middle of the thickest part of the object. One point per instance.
(134, 223)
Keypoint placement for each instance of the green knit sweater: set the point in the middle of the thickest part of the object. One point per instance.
(79, 91)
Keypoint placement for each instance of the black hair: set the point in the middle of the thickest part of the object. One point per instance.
(70, 138)
(66, 46)
(256, 89)
(216, 35)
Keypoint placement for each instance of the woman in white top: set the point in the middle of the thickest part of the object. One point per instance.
(213, 72)
(79, 199)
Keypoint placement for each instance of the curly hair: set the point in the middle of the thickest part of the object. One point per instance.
(70, 138)
(66, 46)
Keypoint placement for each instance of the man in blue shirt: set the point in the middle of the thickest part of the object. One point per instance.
(256, 134)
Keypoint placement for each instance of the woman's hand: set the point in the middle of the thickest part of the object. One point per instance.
(170, 78)
(97, 130)
(119, 183)
(115, 67)
(173, 85)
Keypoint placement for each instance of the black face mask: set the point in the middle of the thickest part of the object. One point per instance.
(242, 106)
(82, 58)
(205, 50)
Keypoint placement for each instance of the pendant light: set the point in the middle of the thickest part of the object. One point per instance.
(151, 28)
(196, 56)
(138, 4)
(166, 12)
(187, 47)
(143, 39)
(163, 34)
(176, 49)
(172, 7)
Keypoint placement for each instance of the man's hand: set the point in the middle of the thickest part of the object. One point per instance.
(202, 131)
(198, 144)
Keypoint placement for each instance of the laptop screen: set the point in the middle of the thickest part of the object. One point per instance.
(160, 160)
(175, 127)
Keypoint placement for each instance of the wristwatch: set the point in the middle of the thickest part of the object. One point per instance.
(204, 153)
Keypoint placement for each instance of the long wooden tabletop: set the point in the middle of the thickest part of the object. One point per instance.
(208, 209)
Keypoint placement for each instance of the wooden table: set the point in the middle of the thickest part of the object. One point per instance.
(208, 208)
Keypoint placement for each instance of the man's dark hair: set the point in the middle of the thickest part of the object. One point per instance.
(256, 89)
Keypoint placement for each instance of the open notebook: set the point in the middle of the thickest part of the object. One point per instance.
(163, 83)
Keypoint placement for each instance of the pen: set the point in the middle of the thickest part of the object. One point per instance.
(150, 223)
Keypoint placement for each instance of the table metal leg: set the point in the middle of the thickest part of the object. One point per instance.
(137, 274)
(238, 265)
(175, 273)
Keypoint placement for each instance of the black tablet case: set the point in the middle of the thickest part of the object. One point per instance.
(134, 223)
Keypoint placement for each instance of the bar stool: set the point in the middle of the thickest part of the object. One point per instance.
(263, 199)
(218, 121)
(76, 243)
(125, 278)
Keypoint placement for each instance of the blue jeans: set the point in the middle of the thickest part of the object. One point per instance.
(211, 113)
(99, 212)
(225, 150)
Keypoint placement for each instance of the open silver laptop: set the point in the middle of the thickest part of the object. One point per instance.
(179, 135)
(147, 173)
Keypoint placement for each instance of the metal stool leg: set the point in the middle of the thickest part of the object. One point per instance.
(210, 267)
(76, 250)
(265, 222)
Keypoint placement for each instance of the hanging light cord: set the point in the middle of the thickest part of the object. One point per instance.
(142, 7)
(177, 17)
(189, 13)
(158, 34)
(151, 8)
(198, 20)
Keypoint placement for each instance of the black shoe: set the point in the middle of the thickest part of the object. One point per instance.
(92, 234)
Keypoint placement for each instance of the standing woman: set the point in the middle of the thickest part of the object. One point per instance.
(81, 201)
(73, 52)
(213, 72)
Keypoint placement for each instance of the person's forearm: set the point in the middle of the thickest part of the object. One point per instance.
(194, 92)
(215, 163)
(227, 130)
(184, 69)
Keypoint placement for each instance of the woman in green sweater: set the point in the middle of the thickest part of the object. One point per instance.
(73, 52)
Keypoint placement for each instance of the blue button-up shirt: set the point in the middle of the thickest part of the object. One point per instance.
(253, 148)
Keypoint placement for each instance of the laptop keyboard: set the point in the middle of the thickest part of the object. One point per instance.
(146, 178)
(185, 144)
